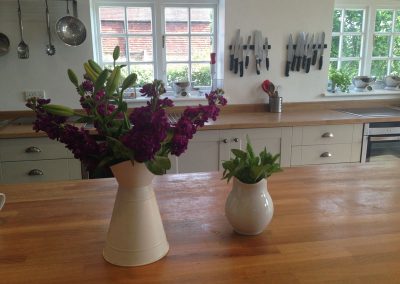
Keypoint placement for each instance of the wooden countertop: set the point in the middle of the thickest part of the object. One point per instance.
(332, 223)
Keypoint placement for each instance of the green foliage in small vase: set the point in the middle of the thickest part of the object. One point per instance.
(249, 168)
(340, 78)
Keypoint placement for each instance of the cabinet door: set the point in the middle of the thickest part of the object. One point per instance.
(202, 154)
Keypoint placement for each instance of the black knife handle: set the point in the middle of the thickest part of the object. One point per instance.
(321, 60)
(246, 64)
(241, 68)
(314, 57)
(308, 64)
(298, 63)
(236, 65)
(231, 62)
(258, 67)
(287, 68)
(293, 66)
(303, 63)
(267, 63)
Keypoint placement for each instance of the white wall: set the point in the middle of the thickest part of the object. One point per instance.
(276, 19)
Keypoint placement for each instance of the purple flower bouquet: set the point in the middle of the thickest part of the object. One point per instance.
(146, 135)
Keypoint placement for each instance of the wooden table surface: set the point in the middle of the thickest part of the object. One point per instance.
(332, 223)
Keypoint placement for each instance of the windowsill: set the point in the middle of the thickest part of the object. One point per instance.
(178, 101)
(351, 93)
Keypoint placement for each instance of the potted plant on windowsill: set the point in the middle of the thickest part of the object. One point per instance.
(134, 145)
(249, 206)
(340, 79)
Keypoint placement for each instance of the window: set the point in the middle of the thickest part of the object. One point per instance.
(159, 40)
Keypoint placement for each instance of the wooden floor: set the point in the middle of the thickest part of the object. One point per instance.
(332, 224)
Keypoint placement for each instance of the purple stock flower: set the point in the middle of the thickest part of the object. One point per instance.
(87, 86)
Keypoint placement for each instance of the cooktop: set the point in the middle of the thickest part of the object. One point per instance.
(372, 111)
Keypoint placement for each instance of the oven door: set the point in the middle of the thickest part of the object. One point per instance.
(382, 148)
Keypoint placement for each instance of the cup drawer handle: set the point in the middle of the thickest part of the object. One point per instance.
(327, 135)
(326, 155)
(35, 172)
(33, 149)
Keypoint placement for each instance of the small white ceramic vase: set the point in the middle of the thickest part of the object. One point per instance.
(249, 207)
(136, 234)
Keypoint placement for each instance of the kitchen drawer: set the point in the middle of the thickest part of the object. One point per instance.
(29, 149)
(322, 154)
(325, 134)
(43, 170)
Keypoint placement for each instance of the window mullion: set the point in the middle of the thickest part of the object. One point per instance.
(190, 44)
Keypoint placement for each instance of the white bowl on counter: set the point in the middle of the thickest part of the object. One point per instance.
(362, 82)
(392, 82)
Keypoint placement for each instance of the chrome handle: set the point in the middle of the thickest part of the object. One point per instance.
(326, 155)
(385, 138)
(225, 141)
(35, 172)
(327, 135)
(33, 149)
(235, 140)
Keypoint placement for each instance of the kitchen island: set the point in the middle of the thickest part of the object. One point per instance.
(338, 223)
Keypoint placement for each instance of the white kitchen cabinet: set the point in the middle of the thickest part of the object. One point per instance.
(326, 144)
(209, 148)
(36, 159)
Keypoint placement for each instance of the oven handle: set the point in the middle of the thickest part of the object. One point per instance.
(387, 138)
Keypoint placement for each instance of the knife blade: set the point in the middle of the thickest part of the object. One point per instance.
(260, 50)
(309, 53)
(296, 59)
(290, 56)
(321, 59)
(236, 54)
(256, 52)
(315, 51)
(241, 57)
(266, 53)
(305, 50)
(247, 52)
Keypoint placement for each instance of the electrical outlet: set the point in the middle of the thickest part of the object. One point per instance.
(40, 94)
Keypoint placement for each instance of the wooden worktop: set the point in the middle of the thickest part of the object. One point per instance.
(256, 116)
(332, 223)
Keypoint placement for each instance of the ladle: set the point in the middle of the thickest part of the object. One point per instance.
(22, 48)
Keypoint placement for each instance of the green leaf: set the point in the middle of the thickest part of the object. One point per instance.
(119, 150)
(239, 153)
(129, 81)
(159, 165)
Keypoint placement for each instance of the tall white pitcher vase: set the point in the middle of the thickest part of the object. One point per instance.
(136, 234)
(249, 208)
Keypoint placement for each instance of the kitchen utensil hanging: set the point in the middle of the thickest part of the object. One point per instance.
(22, 48)
(70, 29)
(4, 44)
(50, 49)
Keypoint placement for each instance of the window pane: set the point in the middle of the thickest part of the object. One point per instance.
(141, 49)
(333, 64)
(353, 20)
(177, 48)
(201, 74)
(145, 73)
(397, 23)
(381, 46)
(379, 68)
(396, 46)
(395, 67)
(383, 20)
(335, 47)
(177, 72)
(139, 20)
(176, 20)
(351, 46)
(337, 16)
(201, 20)
(351, 67)
(112, 20)
(107, 47)
(200, 48)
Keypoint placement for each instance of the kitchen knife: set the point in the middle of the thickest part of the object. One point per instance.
(241, 57)
(266, 53)
(305, 50)
(231, 55)
(297, 59)
(260, 50)
(256, 52)
(236, 54)
(315, 51)
(321, 59)
(290, 56)
(309, 53)
(247, 52)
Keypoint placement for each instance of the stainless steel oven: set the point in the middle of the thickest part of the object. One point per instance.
(381, 141)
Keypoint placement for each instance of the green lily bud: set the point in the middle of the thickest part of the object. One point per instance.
(113, 81)
(73, 78)
(116, 53)
(59, 110)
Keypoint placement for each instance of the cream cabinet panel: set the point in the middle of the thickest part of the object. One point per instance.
(323, 134)
(321, 154)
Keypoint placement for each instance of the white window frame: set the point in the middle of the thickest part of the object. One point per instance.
(157, 6)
